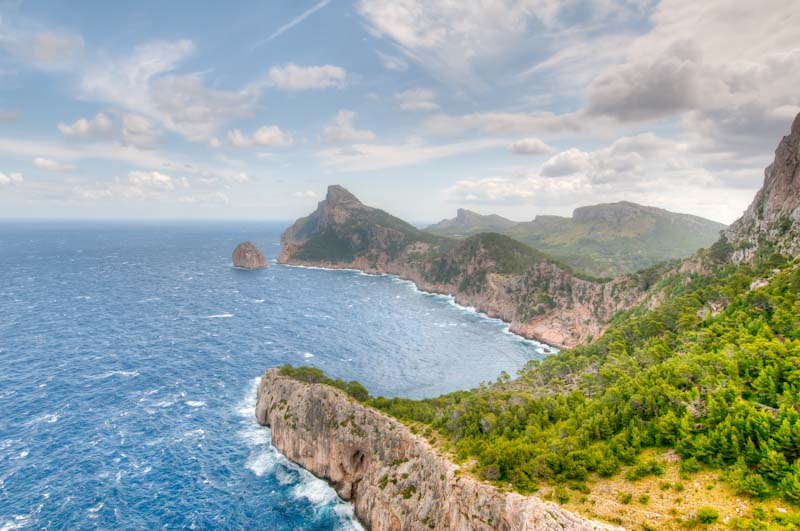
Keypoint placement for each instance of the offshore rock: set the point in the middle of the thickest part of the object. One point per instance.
(247, 256)
(394, 478)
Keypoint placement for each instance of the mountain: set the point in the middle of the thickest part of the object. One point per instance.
(466, 223)
(604, 240)
(682, 415)
(538, 295)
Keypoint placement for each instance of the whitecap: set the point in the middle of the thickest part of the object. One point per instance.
(219, 316)
(23, 454)
(96, 508)
(195, 403)
(258, 301)
(307, 355)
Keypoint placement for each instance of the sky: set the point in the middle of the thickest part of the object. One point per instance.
(248, 110)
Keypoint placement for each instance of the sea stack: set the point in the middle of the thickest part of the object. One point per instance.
(247, 256)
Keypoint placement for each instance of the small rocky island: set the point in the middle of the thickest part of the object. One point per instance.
(247, 256)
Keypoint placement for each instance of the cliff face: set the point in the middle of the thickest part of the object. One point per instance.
(774, 215)
(540, 298)
(395, 480)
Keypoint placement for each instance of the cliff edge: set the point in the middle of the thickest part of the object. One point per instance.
(394, 478)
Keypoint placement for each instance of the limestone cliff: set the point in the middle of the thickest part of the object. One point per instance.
(773, 217)
(247, 256)
(541, 298)
(395, 480)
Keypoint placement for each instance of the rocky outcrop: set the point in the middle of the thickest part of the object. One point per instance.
(395, 479)
(540, 298)
(773, 217)
(247, 256)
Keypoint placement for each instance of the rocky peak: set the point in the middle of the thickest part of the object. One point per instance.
(338, 196)
(774, 215)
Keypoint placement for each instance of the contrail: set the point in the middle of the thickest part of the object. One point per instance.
(294, 22)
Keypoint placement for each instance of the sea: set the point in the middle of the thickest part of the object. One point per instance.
(130, 354)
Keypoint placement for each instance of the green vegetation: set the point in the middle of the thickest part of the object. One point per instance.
(720, 387)
(314, 375)
(603, 240)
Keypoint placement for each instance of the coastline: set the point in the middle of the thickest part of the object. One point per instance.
(547, 348)
(395, 479)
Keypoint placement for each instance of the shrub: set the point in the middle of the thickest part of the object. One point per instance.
(707, 515)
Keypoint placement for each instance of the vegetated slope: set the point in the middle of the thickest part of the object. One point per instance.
(713, 373)
(604, 240)
(467, 223)
(710, 378)
(541, 297)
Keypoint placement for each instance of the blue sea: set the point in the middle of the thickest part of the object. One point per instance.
(129, 357)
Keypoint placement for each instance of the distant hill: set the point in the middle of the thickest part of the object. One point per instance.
(603, 240)
(466, 223)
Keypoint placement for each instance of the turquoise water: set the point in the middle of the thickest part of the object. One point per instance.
(129, 355)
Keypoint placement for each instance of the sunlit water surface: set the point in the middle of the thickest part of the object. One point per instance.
(129, 356)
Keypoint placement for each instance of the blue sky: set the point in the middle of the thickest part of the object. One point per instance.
(518, 107)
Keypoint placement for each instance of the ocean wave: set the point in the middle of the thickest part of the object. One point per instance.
(219, 316)
(195, 403)
(307, 355)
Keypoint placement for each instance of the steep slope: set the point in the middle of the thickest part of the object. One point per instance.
(467, 223)
(773, 218)
(540, 297)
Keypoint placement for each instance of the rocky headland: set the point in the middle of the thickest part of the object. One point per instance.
(247, 256)
(395, 479)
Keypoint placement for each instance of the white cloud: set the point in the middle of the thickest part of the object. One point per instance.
(150, 179)
(295, 78)
(267, 136)
(51, 165)
(506, 123)
(392, 62)
(366, 157)
(458, 40)
(417, 100)
(11, 179)
(139, 131)
(143, 84)
(44, 49)
(214, 198)
(305, 194)
(530, 146)
(100, 126)
(344, 132)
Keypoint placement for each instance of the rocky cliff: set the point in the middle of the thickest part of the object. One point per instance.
(247, 256)
(540, 297)
(773, 218)
(395, 480)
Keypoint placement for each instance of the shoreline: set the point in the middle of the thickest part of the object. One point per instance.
(546, 347)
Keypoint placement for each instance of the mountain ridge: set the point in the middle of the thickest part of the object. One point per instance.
(604, 240)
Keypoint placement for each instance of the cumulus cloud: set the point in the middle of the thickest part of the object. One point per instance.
(530, 146)
(295, 78)
(143, 84)
(344, 132)
(266, 136)
(100, 126)
(417, 100)
(650, 87)
(151, 180)
(11, 179)
(51, 165)
(139, 131)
